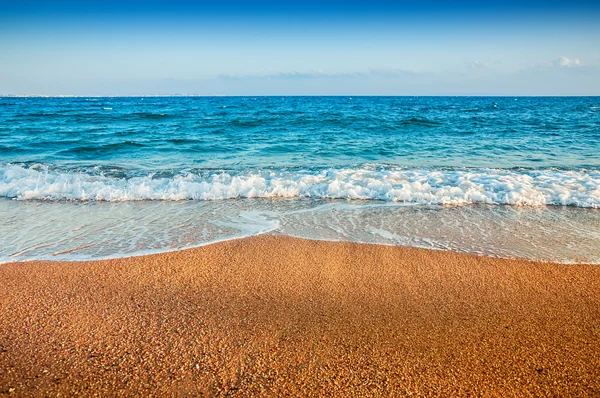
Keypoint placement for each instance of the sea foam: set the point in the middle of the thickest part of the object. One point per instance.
(521, 187)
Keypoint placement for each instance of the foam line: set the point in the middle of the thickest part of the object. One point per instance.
(580, 188)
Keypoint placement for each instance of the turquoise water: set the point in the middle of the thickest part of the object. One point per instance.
(175, 134)
(406, 156)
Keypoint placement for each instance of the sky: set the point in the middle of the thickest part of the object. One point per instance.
(328, 47)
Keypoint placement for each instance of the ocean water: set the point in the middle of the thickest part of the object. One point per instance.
(88, 178)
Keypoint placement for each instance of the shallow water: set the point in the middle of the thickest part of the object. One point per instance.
(89, 230)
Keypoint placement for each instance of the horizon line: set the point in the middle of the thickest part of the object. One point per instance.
(282, 95)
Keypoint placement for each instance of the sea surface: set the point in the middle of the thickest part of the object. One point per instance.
(84, 178)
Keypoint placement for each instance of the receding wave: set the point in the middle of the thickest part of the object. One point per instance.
(520, 187)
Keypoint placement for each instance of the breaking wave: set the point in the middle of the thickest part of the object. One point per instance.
(520, 187)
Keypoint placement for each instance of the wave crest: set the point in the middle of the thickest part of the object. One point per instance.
(579, 188)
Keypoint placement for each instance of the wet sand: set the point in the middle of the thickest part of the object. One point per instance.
(275, 316)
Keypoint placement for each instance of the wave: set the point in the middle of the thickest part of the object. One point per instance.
(520, 187)
(102, 148)
(422, 122)
(148, 115)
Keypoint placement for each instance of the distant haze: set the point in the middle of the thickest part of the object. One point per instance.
(300, 48)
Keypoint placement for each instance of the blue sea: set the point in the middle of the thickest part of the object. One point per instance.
(84, 178)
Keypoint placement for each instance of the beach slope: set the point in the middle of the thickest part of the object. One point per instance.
(275, 315)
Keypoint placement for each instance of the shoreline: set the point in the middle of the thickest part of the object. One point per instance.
(274, 315)
(97, 230)
(279, 235)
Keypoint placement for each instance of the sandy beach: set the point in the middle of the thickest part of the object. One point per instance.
(280, 316)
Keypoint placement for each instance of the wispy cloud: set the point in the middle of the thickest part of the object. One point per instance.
(565, 62)
(318, 73)
(558, 63)
(478, 65)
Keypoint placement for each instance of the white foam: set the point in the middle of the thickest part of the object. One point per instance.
(580, 188)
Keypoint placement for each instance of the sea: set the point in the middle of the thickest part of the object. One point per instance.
(97, 177)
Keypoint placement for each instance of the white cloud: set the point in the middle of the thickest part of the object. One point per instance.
(565, 62)
(478, 65)
(559, 63)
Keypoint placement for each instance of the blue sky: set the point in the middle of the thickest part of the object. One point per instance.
(300, 48)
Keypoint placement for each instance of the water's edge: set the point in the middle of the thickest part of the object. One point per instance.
(68, 231)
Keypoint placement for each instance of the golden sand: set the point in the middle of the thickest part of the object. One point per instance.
(276, 315)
